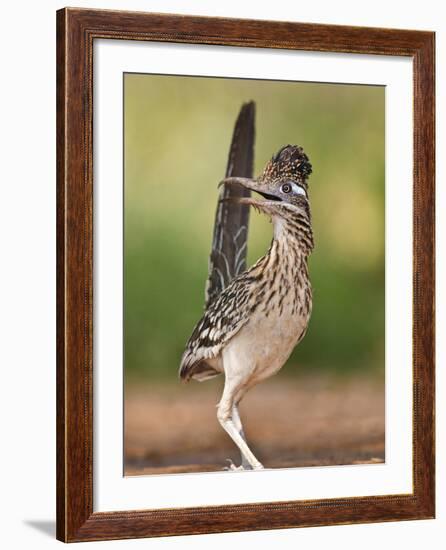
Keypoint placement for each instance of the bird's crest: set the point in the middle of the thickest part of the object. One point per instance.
(289, 162)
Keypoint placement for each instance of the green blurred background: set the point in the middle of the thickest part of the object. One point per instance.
(177, 136)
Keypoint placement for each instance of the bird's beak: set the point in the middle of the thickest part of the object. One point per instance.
(249, 183)
(252, 185)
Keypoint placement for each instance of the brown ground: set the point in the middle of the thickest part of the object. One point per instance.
(288, 423)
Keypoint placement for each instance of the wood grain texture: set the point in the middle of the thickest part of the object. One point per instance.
(76, 31)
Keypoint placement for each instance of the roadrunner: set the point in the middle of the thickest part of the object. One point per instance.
(250, 328)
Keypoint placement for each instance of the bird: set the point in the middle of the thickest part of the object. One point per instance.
(250, 328)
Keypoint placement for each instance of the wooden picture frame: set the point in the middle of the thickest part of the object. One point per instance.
(76, 31)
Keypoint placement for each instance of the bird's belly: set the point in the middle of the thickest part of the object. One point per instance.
(266, 342)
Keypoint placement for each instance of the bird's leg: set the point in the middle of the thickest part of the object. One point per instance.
(238, 425)
(225, 417)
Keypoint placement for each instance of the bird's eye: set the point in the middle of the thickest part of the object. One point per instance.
(286, 188)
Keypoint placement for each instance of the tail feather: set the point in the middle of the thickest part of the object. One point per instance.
(198, 370)
(229, 244)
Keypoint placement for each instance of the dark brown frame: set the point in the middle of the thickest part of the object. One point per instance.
(76, 31)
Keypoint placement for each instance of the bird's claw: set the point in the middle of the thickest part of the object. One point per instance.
(232, 467)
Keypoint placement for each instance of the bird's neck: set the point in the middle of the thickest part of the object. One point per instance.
(294, 233)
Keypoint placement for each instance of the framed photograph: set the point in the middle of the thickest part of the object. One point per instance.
(245, 275)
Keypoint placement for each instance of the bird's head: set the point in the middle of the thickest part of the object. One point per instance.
(283, 184)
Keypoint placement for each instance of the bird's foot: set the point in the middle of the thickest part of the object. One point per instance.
(242, 468)
(232, 467)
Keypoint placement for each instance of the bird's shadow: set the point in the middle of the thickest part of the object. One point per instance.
(47, 527)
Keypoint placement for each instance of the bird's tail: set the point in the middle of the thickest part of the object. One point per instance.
(229, 243)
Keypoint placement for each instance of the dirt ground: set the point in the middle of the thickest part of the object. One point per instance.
(309, 421)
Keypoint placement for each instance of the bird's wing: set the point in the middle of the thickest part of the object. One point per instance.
(224, 317)
(229, 243)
